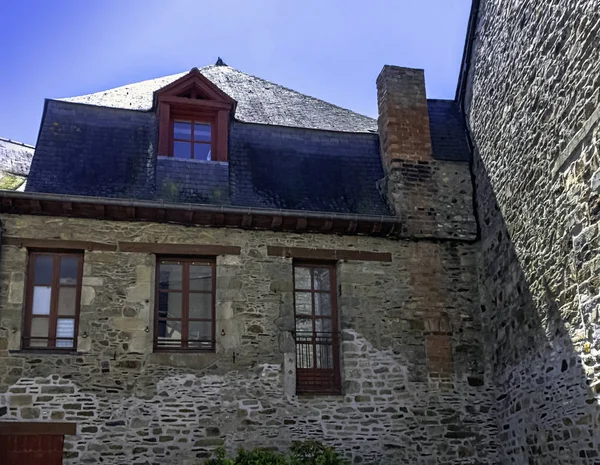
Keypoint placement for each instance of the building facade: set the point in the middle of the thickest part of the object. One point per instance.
(209, 259)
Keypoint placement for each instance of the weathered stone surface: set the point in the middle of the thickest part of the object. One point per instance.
(135, 406)
(532, 102)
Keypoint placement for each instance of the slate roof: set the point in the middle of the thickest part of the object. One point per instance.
(15, 161)
(448, 131)
(89, 146)
(258, 101)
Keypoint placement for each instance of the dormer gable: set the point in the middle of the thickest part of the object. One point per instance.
(194, 117)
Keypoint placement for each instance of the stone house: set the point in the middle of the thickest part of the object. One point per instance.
(210, 259)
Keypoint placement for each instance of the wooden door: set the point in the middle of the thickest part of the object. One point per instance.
(31, 449)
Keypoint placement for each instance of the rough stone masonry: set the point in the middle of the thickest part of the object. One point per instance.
(404, 400)
(533, 105)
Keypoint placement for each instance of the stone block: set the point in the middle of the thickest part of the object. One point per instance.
(16, 287)
(88, 294)
(129, 324)
(29, 413)
(92, 281)
(20, 400)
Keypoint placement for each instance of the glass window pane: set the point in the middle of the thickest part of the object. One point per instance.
(322, 304)
(202, 152)
(324, 354)
(38, 343)
(302, 278)
(182, 130)
(323, 325)
(303, 303)
(200, 278)
(170, 276)
(43, 269)
(304, 355)
(67, 300)
(202, 132)
(304, 326)
(169, 304)
(182, 150)
(200, 306)
(169, 332)
(64, 343)
(65, 328)
(41, 300)
(200, 331)
(69, 270)
(39, 327)
(322, 279)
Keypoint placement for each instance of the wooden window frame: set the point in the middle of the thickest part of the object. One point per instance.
(330, 379)
(194, 98)
(192, 141)
(54, 292)
(185, 291)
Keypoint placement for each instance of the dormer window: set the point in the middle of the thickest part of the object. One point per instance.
(193, 119)
(192, 139)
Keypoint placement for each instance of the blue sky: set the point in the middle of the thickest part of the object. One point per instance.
(329, 49)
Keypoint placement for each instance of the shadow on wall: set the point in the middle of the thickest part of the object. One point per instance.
(547, 409)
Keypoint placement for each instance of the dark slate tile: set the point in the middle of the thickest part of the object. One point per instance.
(448, 131)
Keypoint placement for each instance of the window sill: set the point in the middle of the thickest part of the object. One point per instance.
(45, 352)
(192, 160)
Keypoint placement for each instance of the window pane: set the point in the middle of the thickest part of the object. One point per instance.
(322, 304)
(170, 275)
(64, 343)
(41, 300)
(202, 152)
(302, 278)
(303, 303)
(200, 278)
(304, 355)
(65, 328)
(182, 150)
(322, 279)
(169, 330)
(43, 269)
(68, 270)
(323, 325)
(200, 331)
(304, 325)
(324, 354)
(67, 300)
(39, 327)
(182, 130)
(169, 304)
(202, 132)
(200, 306)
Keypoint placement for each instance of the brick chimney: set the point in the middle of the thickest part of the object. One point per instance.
(403, 116)
(406, 147)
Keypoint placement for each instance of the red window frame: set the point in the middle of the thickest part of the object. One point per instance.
(53, 315)
(158, 345)
(191, 140)
(315, 380)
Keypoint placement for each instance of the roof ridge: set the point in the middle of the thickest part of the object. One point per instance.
(16, 142)
(295, 91)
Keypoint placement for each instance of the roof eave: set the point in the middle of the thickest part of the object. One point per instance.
(28, 203)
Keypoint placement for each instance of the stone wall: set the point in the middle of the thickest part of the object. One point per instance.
(414, 389)
(532, 106)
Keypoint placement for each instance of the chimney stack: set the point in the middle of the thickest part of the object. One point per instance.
(403, 116)
(406, 153)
